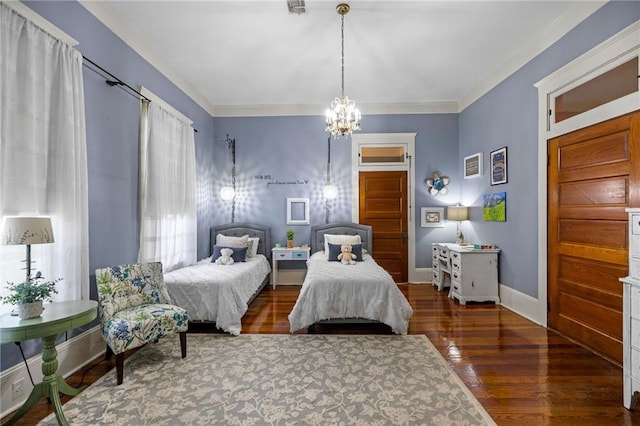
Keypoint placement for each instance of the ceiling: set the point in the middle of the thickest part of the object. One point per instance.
(243, 58)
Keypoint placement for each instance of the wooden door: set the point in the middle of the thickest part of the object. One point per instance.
(383, 205)
(593, 174)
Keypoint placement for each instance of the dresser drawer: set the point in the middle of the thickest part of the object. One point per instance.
(282, 255)
(634, 246)
(635, 333)
(455, 265)
(443, 252)
(635, 224)
(635, 364)
(634, 267)
(298, 255)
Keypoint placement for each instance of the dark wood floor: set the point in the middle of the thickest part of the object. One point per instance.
(522, 373)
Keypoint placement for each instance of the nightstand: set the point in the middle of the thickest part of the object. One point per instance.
(283, 253)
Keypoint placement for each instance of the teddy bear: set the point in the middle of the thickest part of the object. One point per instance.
(225, 258)
(345, 256)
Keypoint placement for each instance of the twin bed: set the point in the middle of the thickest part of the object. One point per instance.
(221, 294)
(360, 292)
(331, 292)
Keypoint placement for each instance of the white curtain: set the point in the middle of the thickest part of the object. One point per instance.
(43, 161)
(167, 191)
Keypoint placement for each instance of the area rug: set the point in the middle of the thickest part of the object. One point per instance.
(281, 380)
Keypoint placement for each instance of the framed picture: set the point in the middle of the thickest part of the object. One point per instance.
(494, 207)
(473, 166)
(432, 217)
(499, 166)
(297, 211)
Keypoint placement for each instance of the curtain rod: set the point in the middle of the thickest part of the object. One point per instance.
(117, 82)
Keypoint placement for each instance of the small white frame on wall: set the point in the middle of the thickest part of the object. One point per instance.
(297, 211)
(432, 217)
(473, 166)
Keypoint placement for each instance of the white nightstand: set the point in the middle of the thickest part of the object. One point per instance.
(283, 253)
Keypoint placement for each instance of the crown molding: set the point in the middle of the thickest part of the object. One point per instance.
(554, 31)
(319, 110)
(105, 14)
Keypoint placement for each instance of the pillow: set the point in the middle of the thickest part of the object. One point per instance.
(357, 250)
(229, 241)
(253, 247)
(340, 239)
(239, 253)
(335, 249)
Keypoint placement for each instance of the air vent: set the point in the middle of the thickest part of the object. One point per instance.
(296, 6)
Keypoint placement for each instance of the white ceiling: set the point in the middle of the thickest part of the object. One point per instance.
(255, 58)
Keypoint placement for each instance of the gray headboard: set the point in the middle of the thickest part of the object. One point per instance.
(239, 229)
(345, 228)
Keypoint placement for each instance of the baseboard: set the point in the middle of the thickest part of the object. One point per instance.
(521, 303)
(421, 276)
(73, 355)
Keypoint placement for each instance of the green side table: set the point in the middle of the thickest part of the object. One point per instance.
(56, 318)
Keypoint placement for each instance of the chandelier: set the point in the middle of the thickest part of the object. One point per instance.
(342, 117)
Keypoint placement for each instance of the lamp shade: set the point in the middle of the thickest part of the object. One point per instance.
(27, 230)
(458, 213)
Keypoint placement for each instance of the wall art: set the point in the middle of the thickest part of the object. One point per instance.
(494, 207)
(499, 166)
(473, 166)
(432, 217)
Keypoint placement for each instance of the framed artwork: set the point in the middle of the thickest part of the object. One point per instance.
(473, 166)
(494, 207)
(499, 166)
(432, 217)
(297, 211)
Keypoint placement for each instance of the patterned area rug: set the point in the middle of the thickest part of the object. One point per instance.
(281, 380)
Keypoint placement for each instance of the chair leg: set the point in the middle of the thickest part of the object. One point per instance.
(120, 366)
(108, 354)
(183, 343)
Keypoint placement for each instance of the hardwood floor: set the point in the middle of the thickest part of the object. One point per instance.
(520, 372)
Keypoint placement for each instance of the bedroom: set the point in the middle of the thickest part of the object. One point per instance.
(442, 142)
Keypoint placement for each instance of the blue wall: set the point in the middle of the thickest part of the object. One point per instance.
(112, 145)
(280, 157)
(508, 116)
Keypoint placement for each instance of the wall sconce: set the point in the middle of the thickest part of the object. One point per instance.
(458, 213)
(228, 193)
(437, 184)
(329, 191)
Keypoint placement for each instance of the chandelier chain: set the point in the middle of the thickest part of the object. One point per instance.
(342, 36)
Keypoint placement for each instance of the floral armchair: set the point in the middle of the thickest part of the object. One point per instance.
(134, 309)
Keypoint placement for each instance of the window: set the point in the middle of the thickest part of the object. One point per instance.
(613, 84)
(382, 154)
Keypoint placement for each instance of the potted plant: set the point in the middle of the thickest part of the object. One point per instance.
(29, 295)
(290, 234)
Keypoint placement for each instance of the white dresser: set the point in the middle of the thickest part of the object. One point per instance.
(631, 314)
(471, 274)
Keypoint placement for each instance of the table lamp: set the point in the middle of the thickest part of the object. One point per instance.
(27, 231)
(458, 213)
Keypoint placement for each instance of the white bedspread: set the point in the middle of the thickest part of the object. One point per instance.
(218, 293)
(364, 290)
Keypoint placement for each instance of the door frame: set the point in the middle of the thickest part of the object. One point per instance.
(587, 66)
(408, 141)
